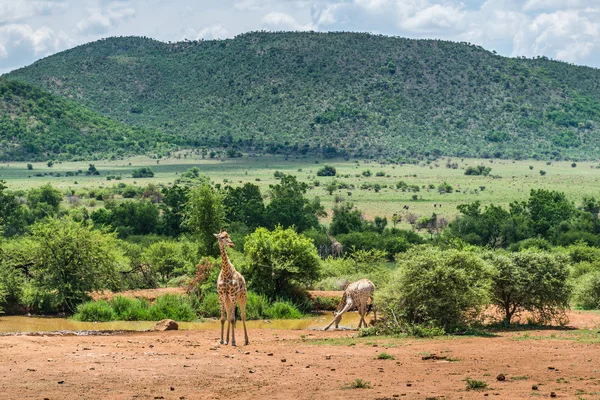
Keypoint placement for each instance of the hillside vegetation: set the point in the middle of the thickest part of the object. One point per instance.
(336, 94)
(36, 125)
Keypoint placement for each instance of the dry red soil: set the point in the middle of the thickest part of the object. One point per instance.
(302, 364)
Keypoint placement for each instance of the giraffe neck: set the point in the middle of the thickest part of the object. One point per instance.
(226, 267)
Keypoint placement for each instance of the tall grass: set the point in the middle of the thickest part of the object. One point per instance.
(121, 308)
(257, 307)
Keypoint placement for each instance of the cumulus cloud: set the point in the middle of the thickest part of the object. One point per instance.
(100, 21)
(21, 44)
(12, 11)
(278, 21)
(213, 32)
(569, 35)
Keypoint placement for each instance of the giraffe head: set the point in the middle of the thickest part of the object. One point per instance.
(224, 239)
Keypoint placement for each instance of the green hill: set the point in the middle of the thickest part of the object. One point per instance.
(335, 93)
(38, 125)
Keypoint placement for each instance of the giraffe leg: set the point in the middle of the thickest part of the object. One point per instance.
(232, 322)
(222, 307)
(228, 309)
(362, 311)
(242, 304)
(338, 317)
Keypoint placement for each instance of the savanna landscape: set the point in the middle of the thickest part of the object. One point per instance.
(155, 195)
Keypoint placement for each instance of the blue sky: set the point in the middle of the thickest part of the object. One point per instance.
(567, 30)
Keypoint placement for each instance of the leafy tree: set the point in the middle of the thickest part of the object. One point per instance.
(143, 172)
(445, 289)
(166, 258)
(326, 170)
(531, 281)
(133, 218)
(72, 260)
(289, 206)
(280, 262)
(245, 204)
(205, 216)
(345, 219)
(92, 170)
(173, 208)
(11, 213)
(547, 209)
(478, 170)
(44, 201)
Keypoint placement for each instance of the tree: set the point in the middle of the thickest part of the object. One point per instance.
(44, 201)
(144, 172)
(280, 262)
(205, 216)
(11, 213)
(289, 207)
(133, 218)
(92, 170)
(245, 204)
(345, 219)
(531, 281)
(173, 207)
(165, 258)
(547, 209)
(446, 289)
(327, 170)
(73, 260)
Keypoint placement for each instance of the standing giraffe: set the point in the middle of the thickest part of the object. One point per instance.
(336, 247)
(231, 287)
(357, 295)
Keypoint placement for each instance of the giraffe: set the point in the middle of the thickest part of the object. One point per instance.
(336, 247)
(231, 287)
(357, 294)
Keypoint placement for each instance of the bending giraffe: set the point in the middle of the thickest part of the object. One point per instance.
(231, 287)
(336, 247)
(357, 295)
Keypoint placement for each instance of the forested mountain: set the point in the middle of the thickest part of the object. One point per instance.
(37, 125)
(335, 93)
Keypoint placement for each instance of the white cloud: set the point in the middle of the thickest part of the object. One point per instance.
(21, 44)
(278, 21)
(434, 19)
(552, 5)
(213, 32)
(101, 21)
(569, 35)
(14, 11)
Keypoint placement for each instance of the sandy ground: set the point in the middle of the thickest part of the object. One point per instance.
(302, 364)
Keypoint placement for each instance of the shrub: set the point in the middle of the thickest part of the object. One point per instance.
(530, 281)
(209, 306)
(144, 172)
(358, 383)
(95, 311)
(444, 289)
(174, 307)
(385, 356)
(283, 310)
(280, 261)
(326, 170)
(478, 170)
(587, 291)
(166, 258)
(127, 309)
(472, 384)
(72, 260)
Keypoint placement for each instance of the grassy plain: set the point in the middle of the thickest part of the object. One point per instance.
(513, 180)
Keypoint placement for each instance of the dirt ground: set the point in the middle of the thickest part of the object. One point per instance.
(303, 364)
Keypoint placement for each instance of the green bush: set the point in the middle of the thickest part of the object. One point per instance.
(174, 307)
(283, 310)
(128, 309)
(533, 281)
(280, 262)
(95, 311)
(209, 306)
(443, 289)
(256, 306)
(587, 291)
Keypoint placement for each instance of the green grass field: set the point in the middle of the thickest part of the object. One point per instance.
(515, 183)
